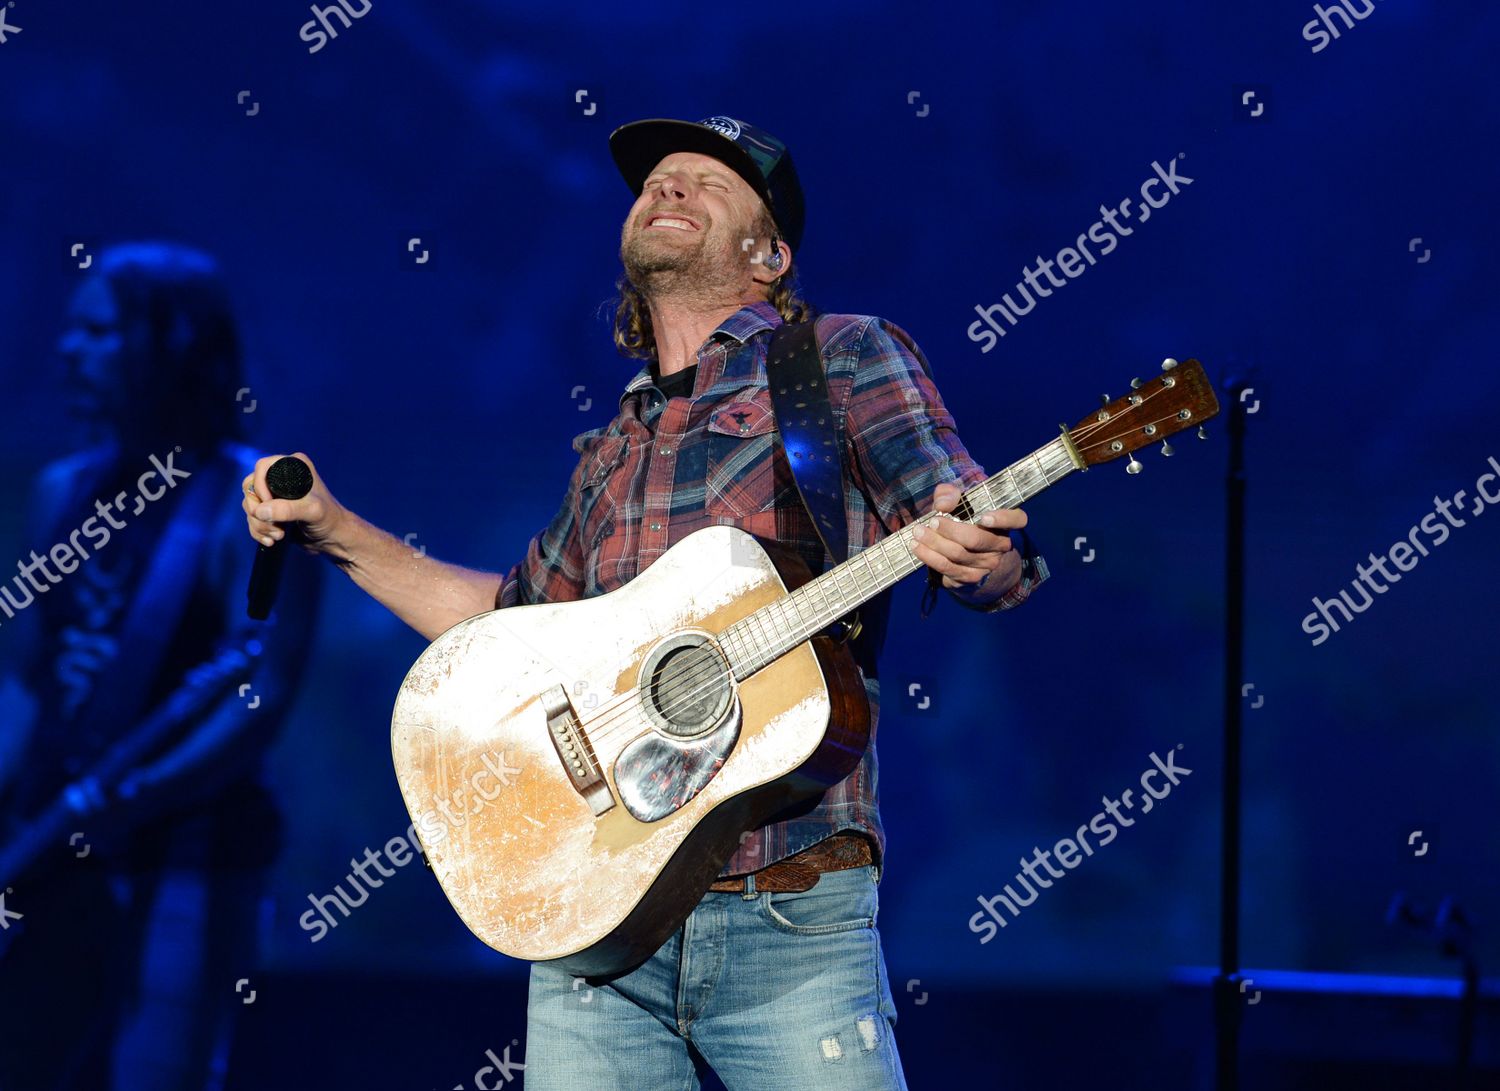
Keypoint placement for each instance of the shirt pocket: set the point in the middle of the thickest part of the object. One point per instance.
(597, 493)
(740, 476)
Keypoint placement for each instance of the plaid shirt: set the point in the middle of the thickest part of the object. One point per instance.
(664, 468)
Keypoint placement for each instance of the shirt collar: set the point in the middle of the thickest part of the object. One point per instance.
(741, 326)
(749, 320)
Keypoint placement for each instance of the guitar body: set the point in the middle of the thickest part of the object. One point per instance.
(580, 772)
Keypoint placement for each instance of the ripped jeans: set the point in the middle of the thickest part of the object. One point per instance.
(770, 990)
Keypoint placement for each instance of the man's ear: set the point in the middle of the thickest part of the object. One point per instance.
(766, 271)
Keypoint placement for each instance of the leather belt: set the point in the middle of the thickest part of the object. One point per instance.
(800, 872)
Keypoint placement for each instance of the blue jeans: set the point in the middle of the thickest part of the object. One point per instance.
(771, 990)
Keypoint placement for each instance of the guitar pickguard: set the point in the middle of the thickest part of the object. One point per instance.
(656, 775)
(688, 695)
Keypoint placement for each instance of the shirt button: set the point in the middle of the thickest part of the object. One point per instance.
(666, 450)
(655, 526)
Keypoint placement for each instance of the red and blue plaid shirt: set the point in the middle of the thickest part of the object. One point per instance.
(666, 467)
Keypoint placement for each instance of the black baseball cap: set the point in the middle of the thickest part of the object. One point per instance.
(754, 154)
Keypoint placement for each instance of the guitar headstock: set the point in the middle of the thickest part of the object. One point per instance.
(1180, 397)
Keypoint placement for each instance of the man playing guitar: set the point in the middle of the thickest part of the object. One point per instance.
(777, 977)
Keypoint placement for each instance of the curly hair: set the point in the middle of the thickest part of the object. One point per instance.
(633, 333)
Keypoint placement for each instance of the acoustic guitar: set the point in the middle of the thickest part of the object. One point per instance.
(579, 772)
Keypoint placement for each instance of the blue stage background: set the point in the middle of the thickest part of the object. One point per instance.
(942, 150)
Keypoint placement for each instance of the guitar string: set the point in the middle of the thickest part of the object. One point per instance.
(735, 642)
(712, 674)
(1056, 459)
(605, 724)
(1158, 420)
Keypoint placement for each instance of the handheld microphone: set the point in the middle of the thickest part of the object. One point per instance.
(288, 478)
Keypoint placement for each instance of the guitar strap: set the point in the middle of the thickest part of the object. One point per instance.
(812, 436)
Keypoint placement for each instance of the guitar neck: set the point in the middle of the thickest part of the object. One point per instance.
(764, 636)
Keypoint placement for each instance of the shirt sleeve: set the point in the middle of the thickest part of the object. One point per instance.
(552, 570)
(906, 444)
(1033, 572)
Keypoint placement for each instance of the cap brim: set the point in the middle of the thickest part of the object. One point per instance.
(640, 145)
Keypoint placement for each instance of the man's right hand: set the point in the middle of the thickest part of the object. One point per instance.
(318, 512)
(421, 590)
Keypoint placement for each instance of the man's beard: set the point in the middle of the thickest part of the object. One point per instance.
(673, 270)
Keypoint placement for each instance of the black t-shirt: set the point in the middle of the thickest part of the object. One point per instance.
(676, 385)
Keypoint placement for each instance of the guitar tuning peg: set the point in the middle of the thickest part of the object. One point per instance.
(1166, 449)
(1133, 466)
(1135, 384)
(1168, 364)
(1201, 433)
(1103, 399)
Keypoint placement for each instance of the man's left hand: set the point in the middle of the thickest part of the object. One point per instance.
(980, 559)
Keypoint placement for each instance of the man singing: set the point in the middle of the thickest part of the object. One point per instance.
(776, 979)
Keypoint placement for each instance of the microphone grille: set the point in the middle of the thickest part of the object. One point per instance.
(289, 478)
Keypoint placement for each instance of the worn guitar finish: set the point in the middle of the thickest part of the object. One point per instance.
(625, 742)
(535, 872)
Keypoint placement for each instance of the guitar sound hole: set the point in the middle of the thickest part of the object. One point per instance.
(689, 690)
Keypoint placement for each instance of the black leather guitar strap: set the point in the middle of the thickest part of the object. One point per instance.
(814, 443)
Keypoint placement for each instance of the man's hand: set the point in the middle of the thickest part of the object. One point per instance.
(421, 590)
(318, 512)
(979, 559)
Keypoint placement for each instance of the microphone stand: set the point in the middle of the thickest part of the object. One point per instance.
(1227, 984)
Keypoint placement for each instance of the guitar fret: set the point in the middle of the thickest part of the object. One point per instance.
(760, 635)
(774, 628)
(805, 612)
(1014, 488)
(741, 653)
(842, 586)
(820, 599)
(751, 642)
(795, 598)
(868, 577)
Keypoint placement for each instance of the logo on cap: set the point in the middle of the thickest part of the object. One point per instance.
(726, 125)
